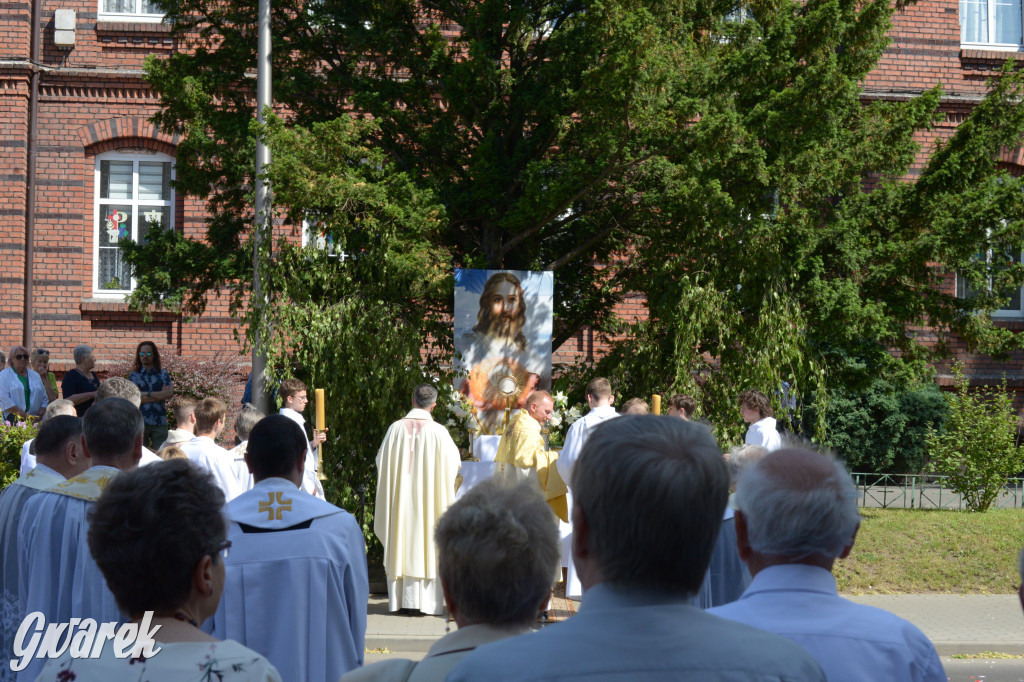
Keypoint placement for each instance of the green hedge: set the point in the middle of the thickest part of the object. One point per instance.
(883, 428)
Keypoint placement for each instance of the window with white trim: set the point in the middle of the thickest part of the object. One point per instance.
(992, 24)
(133, 195)
(1013, 307)
(130, 10)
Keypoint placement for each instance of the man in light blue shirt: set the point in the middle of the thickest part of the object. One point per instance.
(796, 514)
(649, 498)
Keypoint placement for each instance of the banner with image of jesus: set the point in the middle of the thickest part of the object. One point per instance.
(503, 327)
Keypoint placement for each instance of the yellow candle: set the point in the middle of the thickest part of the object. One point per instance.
(320, 418)
(656, 403)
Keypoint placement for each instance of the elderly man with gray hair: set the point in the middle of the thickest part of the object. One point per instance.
(416, 465)
(796, 514)
(649, 494)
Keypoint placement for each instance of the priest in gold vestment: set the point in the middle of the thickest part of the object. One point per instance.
(416, 465)
(523, 455)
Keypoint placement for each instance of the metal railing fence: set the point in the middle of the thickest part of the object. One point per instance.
(925, 491)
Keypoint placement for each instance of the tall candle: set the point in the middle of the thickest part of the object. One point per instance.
(320, 418)
(656, 403)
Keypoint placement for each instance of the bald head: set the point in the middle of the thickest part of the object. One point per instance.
(539, 405)
(798, 504)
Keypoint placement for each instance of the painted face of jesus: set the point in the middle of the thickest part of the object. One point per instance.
(504, 306)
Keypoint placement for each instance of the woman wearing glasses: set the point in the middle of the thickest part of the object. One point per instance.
(40, 362)
(159, 538)
(155, 385)
(22, 393)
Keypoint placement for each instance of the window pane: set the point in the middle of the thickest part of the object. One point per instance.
(119, 6)
(1007, 21)
(114, 225)
(148, 215)
(150, 7)
(154, 180)
(973, 21)
(115, 179)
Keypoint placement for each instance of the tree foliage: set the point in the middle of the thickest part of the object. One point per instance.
(713, 156)
(355, 327)
(977, 449)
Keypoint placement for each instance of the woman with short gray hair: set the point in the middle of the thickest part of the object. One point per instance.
(80, 384)
(159, 538)
(498, 548)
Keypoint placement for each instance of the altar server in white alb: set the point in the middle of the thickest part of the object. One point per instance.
(756, 410)
(203, 450)
(295, 398)
(296, 586)
(600, 400)
(416, 468)
(58, 575)
(796, 514)
(59, 456)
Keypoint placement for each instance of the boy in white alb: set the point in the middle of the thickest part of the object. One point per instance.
(295, 398)
(756, 410)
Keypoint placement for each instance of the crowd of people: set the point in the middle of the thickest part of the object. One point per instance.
(681, 555)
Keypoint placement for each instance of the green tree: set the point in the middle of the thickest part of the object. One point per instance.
(711, 155)
(354, 326)
(977, 449)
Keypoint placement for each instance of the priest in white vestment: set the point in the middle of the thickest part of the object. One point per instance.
(600, 400)
(58, 576)
(296, 586)
(295, 398)
(203, 450)
(59, 457)
(416, 468)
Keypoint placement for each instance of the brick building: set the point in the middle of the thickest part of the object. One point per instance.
(72, 96)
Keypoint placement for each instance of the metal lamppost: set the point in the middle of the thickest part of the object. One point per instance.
(264, 219)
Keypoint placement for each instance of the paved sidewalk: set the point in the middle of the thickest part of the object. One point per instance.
(957, 624)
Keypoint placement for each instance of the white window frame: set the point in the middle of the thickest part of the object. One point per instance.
(321, 242)
(134, 17)
(97, 287)
(990, 45)
(1002, 312)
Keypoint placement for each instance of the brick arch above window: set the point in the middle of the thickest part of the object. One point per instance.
(1011, 159)
(124, 131)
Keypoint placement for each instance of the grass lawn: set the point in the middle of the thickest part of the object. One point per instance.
(907, 551)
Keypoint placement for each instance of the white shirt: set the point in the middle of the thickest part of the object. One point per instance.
(310, 482)
(852, 642)
(212, 457)
(12, 391)
(764, 433)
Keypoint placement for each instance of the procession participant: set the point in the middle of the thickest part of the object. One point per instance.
(498, 548)
(158, 536)
(54, 409)
(523, 455)
(600, 400)
(682, 406)
(294, 398)
(416, 468)
(247, 419)
(649, 495)
(296, 562)
(58, 576)
(796, 514)
(59, 457)
(635, 406)
(756, 410)
(22, 394)
(119, 387)
(184, 408)
(203, 450)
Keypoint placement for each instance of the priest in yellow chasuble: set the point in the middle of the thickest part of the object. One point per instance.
(522, 454)
(417, 464)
